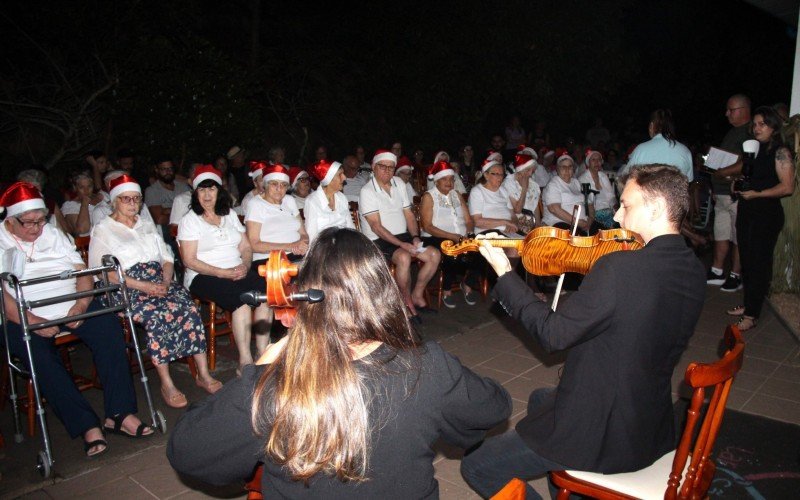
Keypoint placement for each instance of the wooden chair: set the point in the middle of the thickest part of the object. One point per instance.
(663, 478)
(82, 245)
(355, 215)
(216, 325)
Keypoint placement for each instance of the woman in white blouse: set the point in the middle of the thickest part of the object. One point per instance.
(165, 309)
(523, 191)
(300, 186)
(605, 200)
(561, 195)
(78, 212)
(444, 216)
(327, 206)
(490, 205)
(273, 220)
(217, 257)
(256, 173)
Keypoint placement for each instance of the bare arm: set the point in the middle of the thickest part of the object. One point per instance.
(784, 167)
(188, 250)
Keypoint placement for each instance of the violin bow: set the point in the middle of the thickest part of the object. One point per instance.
(576, 214)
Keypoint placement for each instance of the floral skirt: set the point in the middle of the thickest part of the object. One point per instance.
(173, 324)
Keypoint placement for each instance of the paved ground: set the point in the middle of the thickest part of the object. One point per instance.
(490, 344)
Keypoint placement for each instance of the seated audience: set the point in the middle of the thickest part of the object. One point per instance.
(444, 216)
(163, 307)
(38, 178)
(104, 209)
(604, 201)
(405, 171)
(561, 195)
(273, 220)
(354, 177)
(77, 212)
(388, 220)
(217, 256)
(327, 206)
(256, 174)
(299, 186)
(45, 251)
(348, 404)
(522, 190)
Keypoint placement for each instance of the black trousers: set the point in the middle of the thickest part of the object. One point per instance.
(757, 228)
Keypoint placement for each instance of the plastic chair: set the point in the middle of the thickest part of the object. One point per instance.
(253, 486)
(663, 478)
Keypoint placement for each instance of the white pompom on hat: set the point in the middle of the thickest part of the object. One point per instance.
(384, 155)
(122, 184)
(21, 197)
(206, 172)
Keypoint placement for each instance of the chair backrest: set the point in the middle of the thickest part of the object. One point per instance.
(253, 486)
(354, 214)
(701, 376)
(82, 245)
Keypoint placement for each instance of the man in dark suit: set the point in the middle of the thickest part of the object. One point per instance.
(625, 329)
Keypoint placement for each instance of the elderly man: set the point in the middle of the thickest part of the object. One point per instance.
(388, 220)
(612, 409)
(45, 251)
(355, 179)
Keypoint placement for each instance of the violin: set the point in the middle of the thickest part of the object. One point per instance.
(551, 251)
(281, 294)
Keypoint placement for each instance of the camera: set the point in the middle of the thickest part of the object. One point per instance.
(750, 149)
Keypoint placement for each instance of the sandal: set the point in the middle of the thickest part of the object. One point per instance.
(177, 400)
(209, 387)
(88, 445)
(736, 311)
(746, 323)
(120, 431)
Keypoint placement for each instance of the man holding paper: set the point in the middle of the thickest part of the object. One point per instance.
(389, 221)
(738, 114)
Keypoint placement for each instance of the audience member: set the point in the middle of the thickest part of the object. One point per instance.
(327, 206)
(603, 199)
(77, 212)
(561, 195)
(299, 186)
(354, 177)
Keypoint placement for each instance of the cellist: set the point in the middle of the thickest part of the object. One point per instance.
(625, 329)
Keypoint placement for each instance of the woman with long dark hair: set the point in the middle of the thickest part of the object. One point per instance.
(760, 218)
(348, 404)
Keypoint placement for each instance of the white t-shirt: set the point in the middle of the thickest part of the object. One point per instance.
(532, 194)
(560, 193)
(319, 215)
(606, 198)
(390, 206)
(448, 214)
(216, 245)
(300, 202)
(103, 210)
(141, 243)
(490, 205)
(246, 201)
(541, 175)
(352, 187)
(73, 207)
(279, 223)
(156, 195)
(180, 207)
(51, 253)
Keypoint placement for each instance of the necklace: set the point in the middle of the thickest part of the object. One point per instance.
(28, 258)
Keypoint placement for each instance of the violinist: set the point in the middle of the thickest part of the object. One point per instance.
(612, 409)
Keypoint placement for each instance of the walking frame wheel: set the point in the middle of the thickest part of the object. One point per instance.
(161, 422)
(43, 464)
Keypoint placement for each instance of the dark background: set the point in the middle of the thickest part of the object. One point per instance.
(191, 78)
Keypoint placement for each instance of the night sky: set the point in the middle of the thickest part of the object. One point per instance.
(432, 74)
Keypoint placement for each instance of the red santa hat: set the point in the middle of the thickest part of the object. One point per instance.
(325, 170)
(384, 155)
(493, 156)
(441, 156)
(440, 169)
(403, 164)
(21, 197)
(561, 155)
(589, 153)
(206, 172)
(523, 162)
(122, 184)
(527, 151)
(276, 172)
(295, 174)
(257, 168)
(545, 152)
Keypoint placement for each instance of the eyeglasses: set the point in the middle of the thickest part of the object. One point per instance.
(129, 199)
(278, 184)
(386, 168)
(28, 224)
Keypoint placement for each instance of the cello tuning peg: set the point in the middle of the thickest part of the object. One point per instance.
(312, 296)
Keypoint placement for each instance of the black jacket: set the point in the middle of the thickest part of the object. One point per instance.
(409, 411)
(625, 328)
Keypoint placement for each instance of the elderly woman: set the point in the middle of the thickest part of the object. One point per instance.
(444, 216)
(78, 212)
(349, 403)
(45, 251)
(489, 203)
(760, 217)
(104, 208)
(299, 186)
(459, 184)
(273, 220)
(38, 178)
(561, 195)
(405, 171)
(605, 200)
(523, 191)
(327, 206)
(165, 309)
(256, 173)
(217, 256)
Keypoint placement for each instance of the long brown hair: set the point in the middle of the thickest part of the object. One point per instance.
(311, 404)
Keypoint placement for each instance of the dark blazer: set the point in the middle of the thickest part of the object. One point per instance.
(625, 328)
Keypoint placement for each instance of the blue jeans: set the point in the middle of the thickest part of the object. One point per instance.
(501, 458)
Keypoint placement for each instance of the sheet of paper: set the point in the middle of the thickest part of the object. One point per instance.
(719, 158)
